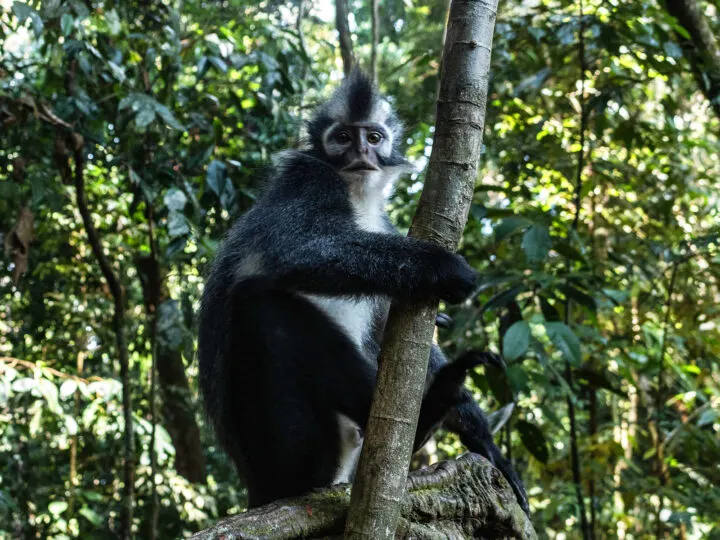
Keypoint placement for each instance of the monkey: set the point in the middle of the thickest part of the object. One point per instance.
(294, 309)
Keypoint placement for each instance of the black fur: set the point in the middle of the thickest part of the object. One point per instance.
(276, 370)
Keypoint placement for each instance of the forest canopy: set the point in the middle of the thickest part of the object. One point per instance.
(132, 135)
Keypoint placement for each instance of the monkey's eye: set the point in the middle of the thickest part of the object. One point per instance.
(374, 137)
(343, 137)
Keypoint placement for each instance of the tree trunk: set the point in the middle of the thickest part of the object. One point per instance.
(467, 498)
(346, 47)
(375, 23)
(440, 218)
(177, 407)
(699, 47)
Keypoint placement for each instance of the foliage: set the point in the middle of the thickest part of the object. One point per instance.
(180, 109)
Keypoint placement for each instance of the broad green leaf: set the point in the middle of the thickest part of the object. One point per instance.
(505, 297)
(579, 296)
(57, 507)
(113, 22)
(71, 425)
(24, 385)
(534, 440)
(516, 341)
(509, 226)
(709, 416)
(177, 224)
(175, 199)
(50, 393)
(67, 23)
(536, 243)
(68, 388)
(21, 10)
(169, 117)
(90, 514)
(117, 71)
(565, 340)
(219, 63)
(145, 117)
(216, 176)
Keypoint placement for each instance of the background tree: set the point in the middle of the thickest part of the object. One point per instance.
(180, 106)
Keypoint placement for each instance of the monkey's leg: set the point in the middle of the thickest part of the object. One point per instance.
(288, 373)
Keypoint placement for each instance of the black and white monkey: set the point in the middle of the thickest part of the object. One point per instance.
(296, 302)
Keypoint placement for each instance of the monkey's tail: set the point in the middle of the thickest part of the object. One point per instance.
(469, 422)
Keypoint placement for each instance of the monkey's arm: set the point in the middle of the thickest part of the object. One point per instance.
(360, 262)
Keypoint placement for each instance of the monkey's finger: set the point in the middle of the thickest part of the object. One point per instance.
(443, 320)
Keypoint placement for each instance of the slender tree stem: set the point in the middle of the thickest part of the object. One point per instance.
(574, 452)
(343, 28)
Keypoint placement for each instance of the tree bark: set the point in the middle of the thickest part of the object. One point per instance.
(346, 47)
(467, 498)
(375, 23)
(440, 218)
(699, 47)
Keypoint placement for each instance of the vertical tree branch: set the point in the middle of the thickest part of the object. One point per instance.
(574, 453)
(440, 218)
(152, 315)
(375, 21)
(660, 398)
(343, 28)
(120, 343)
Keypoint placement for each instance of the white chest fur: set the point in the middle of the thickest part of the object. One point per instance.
(353, 315)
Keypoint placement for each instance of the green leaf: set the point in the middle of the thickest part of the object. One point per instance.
(565, 340)
(57, 507)
(67, 23)
(579, 296)
(21, 10)
(71, 425)
(566, 250)
(216, 176)
(516, 341)
(169, 117)
(175, 199)
(708, 417)
(503, 298)
(92, 516)
(24, 385)
(534, 440)
(67, 388)
(536, 243)
(113, 22)
(145, 117)
(219, 63)
(510, 226)
(517, 378)
(177, 225)
(117, 71)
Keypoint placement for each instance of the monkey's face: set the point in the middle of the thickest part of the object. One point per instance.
(358, 150)
(357, 132)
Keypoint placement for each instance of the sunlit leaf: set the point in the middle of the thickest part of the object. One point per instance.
(565, 340)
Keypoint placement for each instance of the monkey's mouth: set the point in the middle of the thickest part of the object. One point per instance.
(360, 167)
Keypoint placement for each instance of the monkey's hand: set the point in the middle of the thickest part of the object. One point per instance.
(455, 278)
